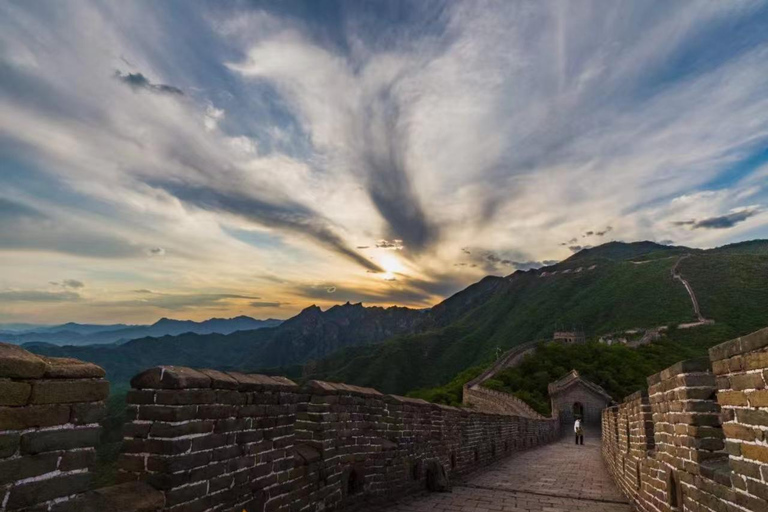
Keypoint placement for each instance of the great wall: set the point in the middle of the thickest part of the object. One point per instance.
(204, 440)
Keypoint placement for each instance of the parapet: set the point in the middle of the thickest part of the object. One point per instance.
(226, 440)
(49, 413)
(697, 440)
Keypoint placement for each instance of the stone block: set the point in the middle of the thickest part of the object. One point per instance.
(220, 380)
(755, 452)
(17, 363)
(77, 459)
(52, 440)
(160, 429)
(170, 377)
(744, 381)
(20, 468)
(132, 496)
(185, 396)
(68, 391)
(28, 494)
(20, 418)
(14, 392)
(68, 368)
(9, 443)
(85, 413)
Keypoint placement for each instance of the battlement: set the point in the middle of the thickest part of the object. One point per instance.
(697, 439)
(199, 440)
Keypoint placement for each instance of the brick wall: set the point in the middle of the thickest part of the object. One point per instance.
(229, 441)
(698, 439)
(49, 413)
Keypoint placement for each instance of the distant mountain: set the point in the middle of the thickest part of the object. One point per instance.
(89, 334)
(616, 286)
(630, 286)
(312, 334)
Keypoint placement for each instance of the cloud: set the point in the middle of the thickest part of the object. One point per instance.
(156, 251)
(259, 304)
(667, 242)
(396, 245)
(39, 296)
(607, 230)
(725, 221)
(178, 301)
(138, 81)
(575, 248)
(286, 215)
(72, 283)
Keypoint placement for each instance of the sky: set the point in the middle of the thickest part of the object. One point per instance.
(191, 159)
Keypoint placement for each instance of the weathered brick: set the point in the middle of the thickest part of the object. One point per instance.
(69, 391)
(747, 381)
(17, 363)
(28, 494)
(19, 418)
(85, 413)
(755, 452)
(14, 392)
(21, 468)
(9, 444)
(68, 368)
(67, 439)
(732, 398)
(77, 459)
(170, 377)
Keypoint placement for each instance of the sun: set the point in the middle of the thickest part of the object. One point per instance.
(391, 265)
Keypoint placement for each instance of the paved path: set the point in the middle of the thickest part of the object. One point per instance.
(559, 477)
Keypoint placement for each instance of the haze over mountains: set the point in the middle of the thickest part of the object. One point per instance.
(611, 287)
(73, 333)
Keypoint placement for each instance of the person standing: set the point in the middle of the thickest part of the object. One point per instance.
(578, 431)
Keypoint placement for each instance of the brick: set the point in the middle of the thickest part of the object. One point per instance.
(758, 398)
(752, 417)
(77, 459)
(220, 380)
(52, 440)
(19, 418)
(170, 377)
(13, 392)
(177, 430)
(28, 494)
(755, 452)
(68, 368)
(132, 496)
(20, 468)
(736, 431)
(747, 381)
(167, 413)
(185, 397)
(17, 363)
(732, 398)
(85, 413)
(69, 391)
(9, 444)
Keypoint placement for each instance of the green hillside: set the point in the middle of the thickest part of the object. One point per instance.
(731, 285)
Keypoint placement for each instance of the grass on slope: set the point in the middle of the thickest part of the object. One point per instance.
(613, 296)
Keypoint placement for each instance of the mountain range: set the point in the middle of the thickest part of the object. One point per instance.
(613, 287)
(90, 334)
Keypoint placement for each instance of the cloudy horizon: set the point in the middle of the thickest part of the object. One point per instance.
(200, 159)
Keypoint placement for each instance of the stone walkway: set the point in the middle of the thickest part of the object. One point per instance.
(560, 477)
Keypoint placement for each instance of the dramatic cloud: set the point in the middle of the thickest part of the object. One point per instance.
(469, 138)
(138, 81)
